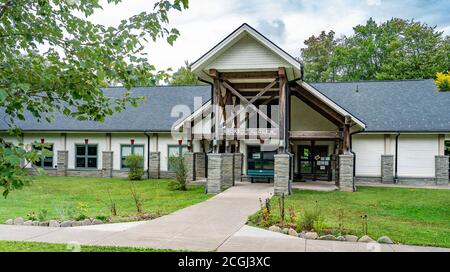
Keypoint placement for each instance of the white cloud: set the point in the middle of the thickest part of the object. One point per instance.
(207, 22)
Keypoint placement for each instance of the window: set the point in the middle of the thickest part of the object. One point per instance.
(176, 150)
(447, 153)
(127, 150)
(47, 161)
(260, 160)
(86, 156)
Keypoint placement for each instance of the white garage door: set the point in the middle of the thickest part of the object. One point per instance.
(368, 149)
(416, 156)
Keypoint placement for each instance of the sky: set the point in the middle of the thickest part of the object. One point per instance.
(286, 22)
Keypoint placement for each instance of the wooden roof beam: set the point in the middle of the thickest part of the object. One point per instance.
(248, 75)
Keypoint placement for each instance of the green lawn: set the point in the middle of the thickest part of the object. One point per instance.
(407, 216)
(50, 193)
(7, 246)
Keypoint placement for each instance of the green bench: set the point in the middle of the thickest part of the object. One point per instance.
(263, 174)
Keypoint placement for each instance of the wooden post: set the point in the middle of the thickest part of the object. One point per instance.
(282, 109)
(216, 111)
(348, 121)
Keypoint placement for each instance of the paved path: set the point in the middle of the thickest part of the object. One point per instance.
(201, 227)
(216, 224)
(259, 240)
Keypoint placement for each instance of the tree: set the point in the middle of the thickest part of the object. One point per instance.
(443, 81)
(395, 49)
(54, 59)
(318, 56)
(184, 76)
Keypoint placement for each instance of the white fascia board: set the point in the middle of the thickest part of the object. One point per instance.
(193, 115)
(331, 103)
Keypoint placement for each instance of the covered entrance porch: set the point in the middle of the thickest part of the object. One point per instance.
(264, 120)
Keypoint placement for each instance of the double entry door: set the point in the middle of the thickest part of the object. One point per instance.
(314, 162)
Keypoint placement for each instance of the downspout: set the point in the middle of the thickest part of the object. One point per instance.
(148, 154)
(354, 158)
(396, 158)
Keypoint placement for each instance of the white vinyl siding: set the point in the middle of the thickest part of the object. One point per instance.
(368, 150)
(247, 53)
(416, 156)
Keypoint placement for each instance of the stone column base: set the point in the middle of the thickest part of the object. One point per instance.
(387, 168)
(190, 166)
(200, 165)
(281, 179)
(441, 166)
(155, 165)
(62, 162)
(238, 160)
(220, 172)
(107, 164)
(346, 173)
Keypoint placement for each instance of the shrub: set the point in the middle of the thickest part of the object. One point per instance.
(42, 215)
(179, 167)
(443, 81)
(135, 164)
(32, 216)
(312, 219)
(136, 197)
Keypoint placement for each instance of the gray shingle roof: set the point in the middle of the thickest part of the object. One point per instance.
(384, 106)
(409, 105)
(154, 114)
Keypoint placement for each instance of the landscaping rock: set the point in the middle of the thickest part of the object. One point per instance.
(302, 235)
(366, 239)
(66, 224)
(18, 221)
(311, 236)
(53, 224)
(77, 223)
(35, 223)
(328, 237)
(28, 223)
(341, 239)
(275, 229)
(9, 222)
(351, 238)
(385, 240)
(86, 222)
(45, 224)
(96, 222)
(292, 232)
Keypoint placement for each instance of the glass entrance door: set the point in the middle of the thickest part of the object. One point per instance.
(314, 162)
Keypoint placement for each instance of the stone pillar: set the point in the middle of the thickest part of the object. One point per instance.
(62, 163)
(346, 172)
(190, 166)
(220, 172)
(214, 181)
(281, 179)
(155, 158)
(227, 171)
(387, 168)
(441, 166)
(200, 164)
(107, 164)
(238, 160)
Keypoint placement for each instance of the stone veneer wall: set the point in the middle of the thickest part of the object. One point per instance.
(107, 161)
(346, 173)
(387, 168)
(220, 172)
(442, 163)
(238, 162)
(62, 162)
(155, 165)
(189, 161)
(281, 179)
(200, 165)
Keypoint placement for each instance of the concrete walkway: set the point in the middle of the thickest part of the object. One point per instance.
(260, 240)
(216, 224)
